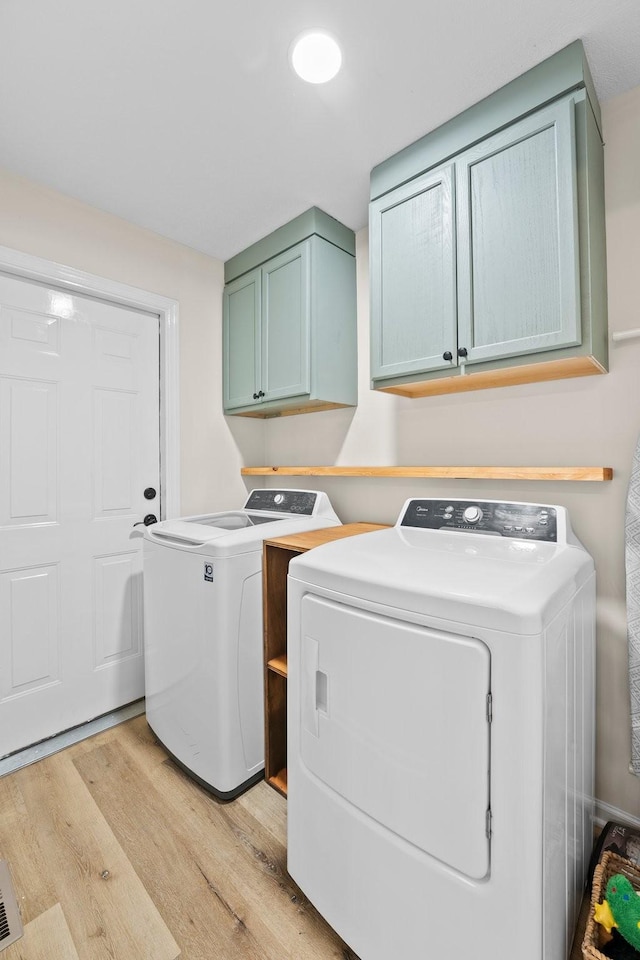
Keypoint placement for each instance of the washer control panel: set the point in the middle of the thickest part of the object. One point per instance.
(524, 521)
(299, 502)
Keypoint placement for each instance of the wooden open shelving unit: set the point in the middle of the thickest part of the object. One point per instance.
(435, 473)
(275, 565)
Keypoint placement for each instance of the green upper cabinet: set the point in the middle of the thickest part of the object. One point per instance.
(491, 263)
(289, 321)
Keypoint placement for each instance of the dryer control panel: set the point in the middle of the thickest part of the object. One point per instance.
(524, 521)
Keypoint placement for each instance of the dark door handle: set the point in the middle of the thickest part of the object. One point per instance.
(447, 355)
(256, 396)
(148, 520)
(149, 493)
(462, 351)
(261, 393)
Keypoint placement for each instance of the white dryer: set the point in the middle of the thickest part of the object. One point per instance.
(441, 731)
(203, 632)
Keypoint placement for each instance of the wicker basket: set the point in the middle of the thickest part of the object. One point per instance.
(610, 864)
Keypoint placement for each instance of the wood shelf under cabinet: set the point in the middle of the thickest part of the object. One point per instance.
(277, 554)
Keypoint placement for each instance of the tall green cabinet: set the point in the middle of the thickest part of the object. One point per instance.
(487, 242)
(289, 321)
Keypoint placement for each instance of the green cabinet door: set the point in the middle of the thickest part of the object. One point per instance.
(286, 310)
(413, 277)
(241, 341)
(517, 235)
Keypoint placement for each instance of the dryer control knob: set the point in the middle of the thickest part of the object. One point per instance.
(472, 514)
(279, 497)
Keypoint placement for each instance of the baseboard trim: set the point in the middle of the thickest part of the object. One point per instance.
(46, 748)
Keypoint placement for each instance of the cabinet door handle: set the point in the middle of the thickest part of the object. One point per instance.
(447, 355)
(260, 393)
(256, 396)
(462, 351)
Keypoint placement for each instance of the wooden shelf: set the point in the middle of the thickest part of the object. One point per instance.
(275, 565)
(279, 781)
(435, 473)
(503, 377)
(278, 665)
(301, 542)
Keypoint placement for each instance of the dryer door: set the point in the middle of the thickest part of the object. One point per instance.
(394, 718)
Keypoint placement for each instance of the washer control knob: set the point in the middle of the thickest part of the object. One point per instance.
(472, 514)
(279, 497)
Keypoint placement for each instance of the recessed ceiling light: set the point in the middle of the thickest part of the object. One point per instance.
(315, 56)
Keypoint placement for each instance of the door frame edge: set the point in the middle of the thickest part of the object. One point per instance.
(25, 266)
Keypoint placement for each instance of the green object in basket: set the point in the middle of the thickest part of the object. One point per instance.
(624, 904)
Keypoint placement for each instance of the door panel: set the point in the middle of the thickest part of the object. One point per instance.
(394, 719)
(29, 482)
(118, 608)
(79, 428)
(114, 453)
(286, 320)
(29, 618)
(517, 235)
(30, 335)
(413, 295)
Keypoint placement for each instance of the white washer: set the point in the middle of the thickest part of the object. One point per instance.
(441, 731)
(203, 632)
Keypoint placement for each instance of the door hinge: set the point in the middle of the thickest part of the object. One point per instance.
(488, 824)
(489, 708)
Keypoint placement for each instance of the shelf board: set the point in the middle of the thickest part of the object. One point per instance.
(301, 542)
(279, 782)
(279, 665)
(434, 473)
(503, 377)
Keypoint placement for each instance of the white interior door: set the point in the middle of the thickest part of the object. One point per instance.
(79, 444)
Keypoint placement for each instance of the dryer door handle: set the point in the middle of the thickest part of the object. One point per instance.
(322, 684)
(315, 687)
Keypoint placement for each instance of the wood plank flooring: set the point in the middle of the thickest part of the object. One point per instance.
(116, 854)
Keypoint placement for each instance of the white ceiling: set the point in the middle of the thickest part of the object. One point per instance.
(183, 116)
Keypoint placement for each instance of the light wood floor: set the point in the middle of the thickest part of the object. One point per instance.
(115, 854)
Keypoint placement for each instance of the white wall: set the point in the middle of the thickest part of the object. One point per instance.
(587, 421)
(47, 224)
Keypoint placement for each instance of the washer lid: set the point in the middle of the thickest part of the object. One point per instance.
(196, 531)
(503, 584)
(267, 513)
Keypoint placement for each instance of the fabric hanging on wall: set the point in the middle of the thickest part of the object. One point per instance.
(632, 567)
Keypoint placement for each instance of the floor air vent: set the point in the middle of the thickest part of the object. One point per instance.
(10, 922)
